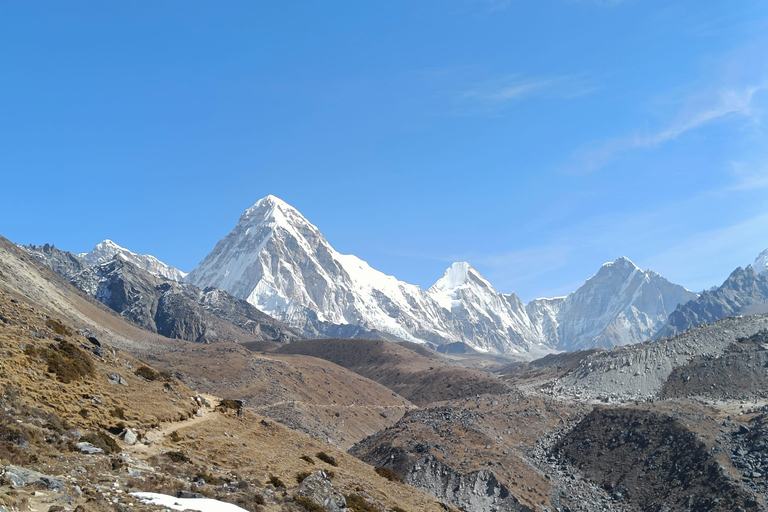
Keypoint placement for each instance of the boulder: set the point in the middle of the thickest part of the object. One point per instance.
(129, 437)
(116, 378)
(88, 448)
(21, 477)
(318, 488)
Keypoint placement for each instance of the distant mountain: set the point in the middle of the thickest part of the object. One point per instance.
(105, 251)
(620, 305)
(160, 305)
(278, 261)
(484, 318)
(744, 292)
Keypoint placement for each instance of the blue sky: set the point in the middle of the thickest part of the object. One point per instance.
(536, 140)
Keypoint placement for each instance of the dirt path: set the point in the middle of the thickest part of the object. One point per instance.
(158, 436)
(333, 406)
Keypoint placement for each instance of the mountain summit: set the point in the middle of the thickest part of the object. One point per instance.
(281, 263)
(105, 251)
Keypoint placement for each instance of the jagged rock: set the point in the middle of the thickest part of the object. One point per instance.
(116, 378)
(21, 477)
(318, 488)
(88, 448)
(744, 292)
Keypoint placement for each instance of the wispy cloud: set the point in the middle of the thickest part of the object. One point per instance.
(702, 110)
(497, 94)
(513, 90)
(749, 176)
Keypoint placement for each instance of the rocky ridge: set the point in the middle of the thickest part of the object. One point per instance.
(638, 372)
(106, 251)
(744, 292)
(169, 308)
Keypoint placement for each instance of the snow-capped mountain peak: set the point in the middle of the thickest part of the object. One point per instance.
(459, 276)
(761, 263)
(278, 261)
(105, 251)
(455, 276)
(621, 262)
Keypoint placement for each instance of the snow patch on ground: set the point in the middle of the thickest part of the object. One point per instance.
(201, 504)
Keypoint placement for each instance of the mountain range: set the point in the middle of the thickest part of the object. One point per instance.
(280, 263)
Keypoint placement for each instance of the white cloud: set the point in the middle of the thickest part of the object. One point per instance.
(495, 95)
(748, 177)
(702, 110)
(513, 89)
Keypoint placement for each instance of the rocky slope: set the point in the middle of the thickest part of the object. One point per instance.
(671, 468)
(739, 373)
(640, 371)
(172, 309)
(277, 260)
(84, 429)
(744, 292)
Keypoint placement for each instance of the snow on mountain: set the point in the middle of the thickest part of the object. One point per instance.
(620, 305)
(281, 263)
(761, 263)
(106, 250)
(484, 318)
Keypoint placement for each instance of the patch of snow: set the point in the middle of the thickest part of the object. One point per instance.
(200, 504)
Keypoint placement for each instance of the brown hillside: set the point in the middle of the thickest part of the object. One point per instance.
(419, 378)
(59, 389)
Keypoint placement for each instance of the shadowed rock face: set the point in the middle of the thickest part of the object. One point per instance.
(652, 462)
(473, 490)
(164, 306)
(179, 310)
(744, 292)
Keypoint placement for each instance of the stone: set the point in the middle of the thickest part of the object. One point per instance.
(115, 378)
(20, 477)
(88, 448)
(187, 494)
(318, 488)
(129, 437)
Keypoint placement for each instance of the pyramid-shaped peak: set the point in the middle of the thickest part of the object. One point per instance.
(457, 275)
(108, 245)
(103, 252)
(268, 203)
(272, 209)
(622, 262)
